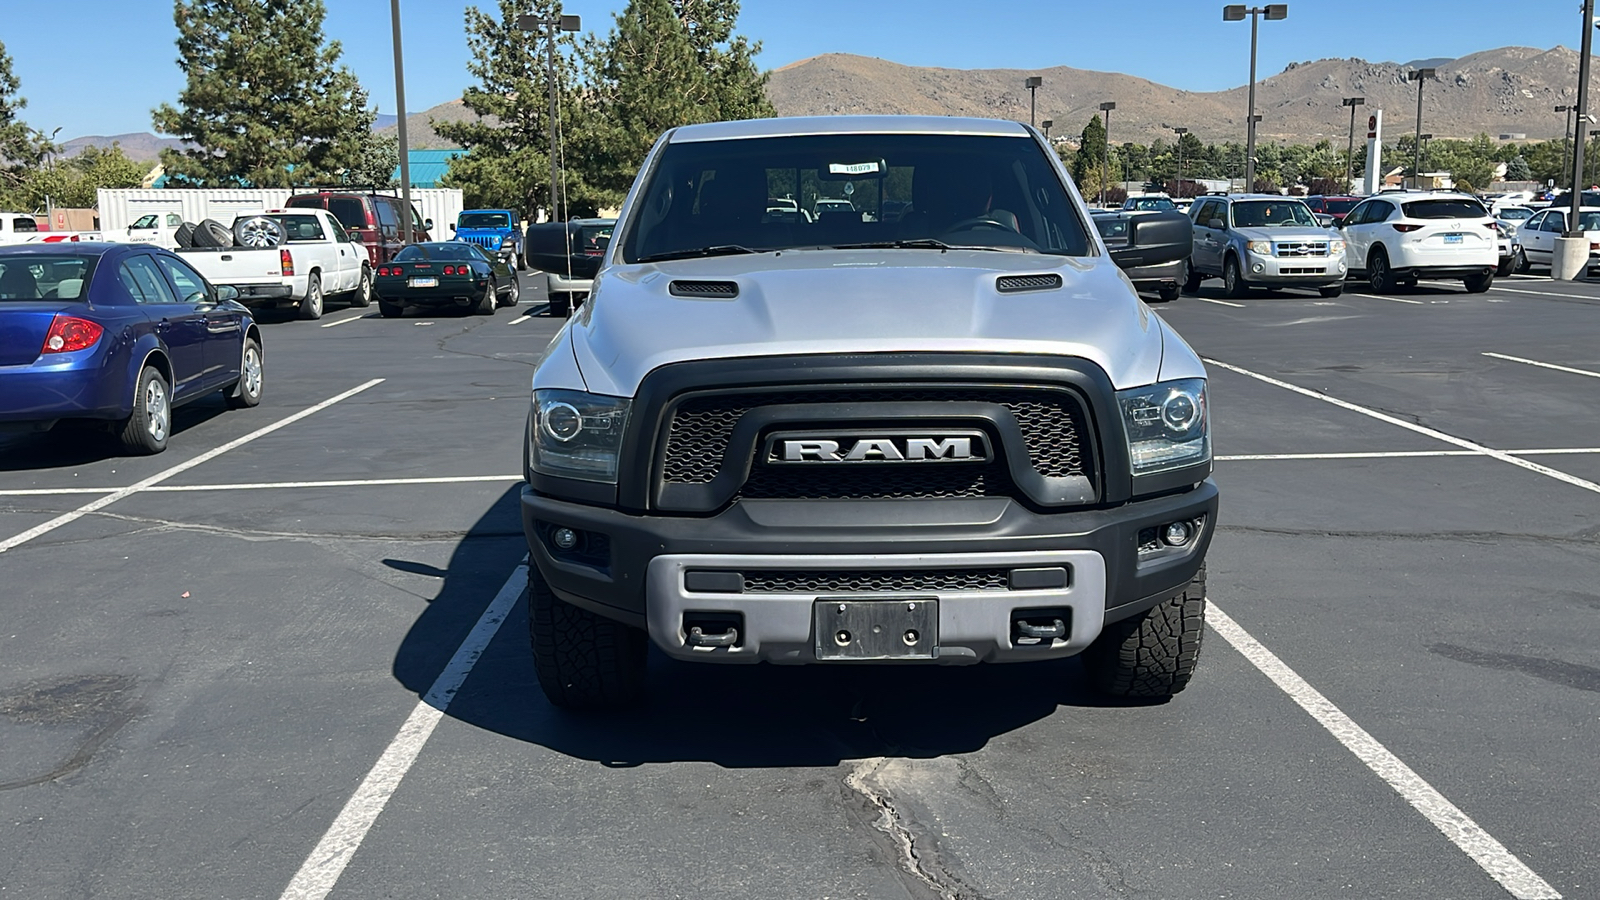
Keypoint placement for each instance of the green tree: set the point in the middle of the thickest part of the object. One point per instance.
(21, 148)
(1088, 164)
(266, 103)
(1517, 169)
(76, 182)
(380, 155)
(507, 165)
(665, 63)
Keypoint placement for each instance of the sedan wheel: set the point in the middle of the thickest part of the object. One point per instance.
(145, 431)
(247, 392)
(516, 291)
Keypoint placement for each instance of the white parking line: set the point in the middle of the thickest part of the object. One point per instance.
(153, 480)
(1492, 856)
(321, 870)
(266, 485)
(1545, 365)
(1463, 443)
(1382, 297)
(1546, 293)
(519, 320)
(344, 321)
(1220, 302)
(1408, 454)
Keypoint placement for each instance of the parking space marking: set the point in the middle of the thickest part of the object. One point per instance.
(1545, 365)
(344, 321)
(1390, 299)
(153, 480)
(1406, 454)
(1220, 302)
(1490, 855)
(520, 319)
(321, 870)
(266, 485)
(1546, 293)
(1463, 443)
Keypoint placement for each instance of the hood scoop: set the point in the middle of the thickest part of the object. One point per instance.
(1016, 284)
(713, 290)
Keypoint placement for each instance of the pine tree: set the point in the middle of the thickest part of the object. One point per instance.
(266, 103)
(508, 160)
(1088, 164)
(22, 149)
(1518, 169)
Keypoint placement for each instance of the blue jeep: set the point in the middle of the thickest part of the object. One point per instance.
(496, 230)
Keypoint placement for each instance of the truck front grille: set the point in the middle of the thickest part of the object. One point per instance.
(862, 581)
(876, 482)
(1300, 248)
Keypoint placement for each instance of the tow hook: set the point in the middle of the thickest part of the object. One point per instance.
(699, 638)
(1037, 627)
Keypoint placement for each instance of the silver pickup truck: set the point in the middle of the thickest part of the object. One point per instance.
(936, 427)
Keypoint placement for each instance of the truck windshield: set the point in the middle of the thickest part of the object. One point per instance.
(1266, 213)
(986, 192)
(484, 220)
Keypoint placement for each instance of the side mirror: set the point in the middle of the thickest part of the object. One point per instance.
(1323, 219)
(428, 225)
(1155, 239)
(452, 227)
(226, 292)
(1217, 224)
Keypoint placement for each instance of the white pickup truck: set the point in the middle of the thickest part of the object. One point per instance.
(22, 228)
(315, 259)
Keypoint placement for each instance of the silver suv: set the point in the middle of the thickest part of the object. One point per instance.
(1263, 240)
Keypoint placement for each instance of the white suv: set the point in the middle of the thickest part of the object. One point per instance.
(1398, 237)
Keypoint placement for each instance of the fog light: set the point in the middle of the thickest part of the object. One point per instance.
(1178, 534)
(564, 538)
(1258, 268)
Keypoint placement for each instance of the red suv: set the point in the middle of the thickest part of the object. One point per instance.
(1330, 205)
(373, 217)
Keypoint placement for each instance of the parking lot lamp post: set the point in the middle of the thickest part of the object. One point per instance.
(1419, 76)
(1236, 13)
(1422, 143)
(1105, 168)
(1180, 132)
(400, 124)
(1350, 151)
(1566, 136)
(555, 25)
(1032, 84)
(1047, 123)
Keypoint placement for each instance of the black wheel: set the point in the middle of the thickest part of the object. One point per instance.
(1168, 292)
(1191, 278)
(247, 390)
(1332, 290)
(515, 295)
(390, 310)
(212, 234)
(490, 301)
(362, 295)
(1151, 655)
(146, 430)
(184, 236)
(522, 262)
(1519, 261)
(584, 661)
(1379, 276)
(560, 305)
(311, 306)
(1477, 284)
(1233, 280)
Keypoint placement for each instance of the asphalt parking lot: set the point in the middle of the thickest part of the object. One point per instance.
(271, 663)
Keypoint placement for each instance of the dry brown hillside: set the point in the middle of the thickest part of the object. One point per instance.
(1512, 89)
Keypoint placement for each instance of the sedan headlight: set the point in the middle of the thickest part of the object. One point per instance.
(1166, 425)
(577, 435)
(1261, 248)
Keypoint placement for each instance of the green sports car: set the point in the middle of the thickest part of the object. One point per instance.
(445, 274)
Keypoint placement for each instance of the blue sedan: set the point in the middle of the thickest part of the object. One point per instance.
(119, 334)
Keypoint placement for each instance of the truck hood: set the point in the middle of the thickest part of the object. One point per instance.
(869, 301)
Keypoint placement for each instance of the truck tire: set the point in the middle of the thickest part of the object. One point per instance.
(1191, 278)
(1151, 655)
(583, 660)
(522, 262)
(560, 304)
(258, 233)
(311, 306)
(184, 236)
(145, 431)
(1167, 292)
(212, 235)
(361, 297)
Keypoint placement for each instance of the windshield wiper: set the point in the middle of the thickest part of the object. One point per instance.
(926, 244)
(716, 250)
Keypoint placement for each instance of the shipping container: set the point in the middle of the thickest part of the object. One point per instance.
(121, 207)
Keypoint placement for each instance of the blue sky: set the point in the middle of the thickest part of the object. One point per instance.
(116, 61)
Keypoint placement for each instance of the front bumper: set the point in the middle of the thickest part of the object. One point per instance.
(563, 285)
(1302, 270)
(633, 568)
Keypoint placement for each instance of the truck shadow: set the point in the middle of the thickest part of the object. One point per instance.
(733, 716)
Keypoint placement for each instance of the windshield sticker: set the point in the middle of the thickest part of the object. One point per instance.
(866, 168)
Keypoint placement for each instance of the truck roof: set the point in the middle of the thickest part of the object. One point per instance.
(790, 126)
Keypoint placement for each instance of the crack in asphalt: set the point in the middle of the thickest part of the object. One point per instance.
(894, 824)
(468, 329)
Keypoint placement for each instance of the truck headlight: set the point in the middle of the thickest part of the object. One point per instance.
(1166, 425)
(1336, 246)
(1260, 248)
(577, 435)
(507, 242)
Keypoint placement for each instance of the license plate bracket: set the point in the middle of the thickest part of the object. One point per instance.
(424, 282)
(861, 629)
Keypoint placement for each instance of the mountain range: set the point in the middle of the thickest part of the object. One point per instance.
(1510, 90)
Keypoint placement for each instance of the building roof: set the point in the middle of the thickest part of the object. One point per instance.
(428, 167)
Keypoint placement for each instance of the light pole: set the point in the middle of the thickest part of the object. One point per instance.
(1105, 169)
(1180, 132)
(1422, 143)
(1236, 13)
(1419, 76)
(1032, 84)
(558, 24)
(1047, 123)
(1350, 151)
(400, 124)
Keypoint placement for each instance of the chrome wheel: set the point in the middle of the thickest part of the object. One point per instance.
(252, 372)
(158, 414)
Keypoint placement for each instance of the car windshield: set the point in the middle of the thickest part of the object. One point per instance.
(1143, 203)
(1338, 206)
(145, 222)
(37, 277)
(441, 250)
(902, 190)
(1515, 214)
(1269, 213)
(484, 220)
(1444, 208)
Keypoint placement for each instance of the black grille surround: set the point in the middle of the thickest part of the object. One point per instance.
(861, 581)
